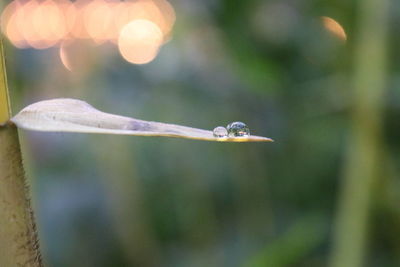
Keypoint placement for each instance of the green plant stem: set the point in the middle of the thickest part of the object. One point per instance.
(364, 157)
(5, 110)
(18, 238)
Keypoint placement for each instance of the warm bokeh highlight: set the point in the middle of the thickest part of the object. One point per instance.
(44, 24)
(139, 41)
(334, 27)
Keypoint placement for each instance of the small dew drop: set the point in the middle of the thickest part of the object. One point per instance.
(238, 129)
(220, 132)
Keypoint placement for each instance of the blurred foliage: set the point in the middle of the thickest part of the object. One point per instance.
(137, 201)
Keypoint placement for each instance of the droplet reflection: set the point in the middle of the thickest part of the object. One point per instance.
(220, 132)
(238, 129)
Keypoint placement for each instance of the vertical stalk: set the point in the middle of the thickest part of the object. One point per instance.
(5, 110)
(123, 187)
(364, 157)
(18, 238)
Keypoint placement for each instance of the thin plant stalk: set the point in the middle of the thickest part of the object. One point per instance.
(364, 156)
(18, 238)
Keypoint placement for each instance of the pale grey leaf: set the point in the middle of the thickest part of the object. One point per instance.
(72, 115)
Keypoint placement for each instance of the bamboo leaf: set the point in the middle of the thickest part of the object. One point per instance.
(72, 115)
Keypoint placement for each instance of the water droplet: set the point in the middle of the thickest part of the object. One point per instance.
(220, 132)
(238, 129)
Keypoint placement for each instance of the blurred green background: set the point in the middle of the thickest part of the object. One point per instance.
(140, 201)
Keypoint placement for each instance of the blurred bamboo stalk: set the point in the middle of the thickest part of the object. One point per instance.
(124, 197)
(18, 238)
(365, 153)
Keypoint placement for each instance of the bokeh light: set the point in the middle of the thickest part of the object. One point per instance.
(9, 25)
(49, 22)
(139, 41)
(78, 57)
(98, 20)
(44, 24)
(334, 27)
(75, 22)
(64, 58)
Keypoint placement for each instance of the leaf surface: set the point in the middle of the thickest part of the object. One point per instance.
(77, 116)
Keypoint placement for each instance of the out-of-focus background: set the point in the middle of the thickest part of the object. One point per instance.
(310, 74)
